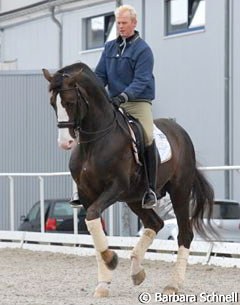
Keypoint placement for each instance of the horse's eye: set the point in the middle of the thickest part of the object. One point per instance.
(68, 104)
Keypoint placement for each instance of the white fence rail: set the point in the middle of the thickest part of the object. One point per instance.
(41, 176)
(222, 254)
(219, 254)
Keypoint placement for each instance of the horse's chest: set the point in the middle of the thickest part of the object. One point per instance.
(89, 171)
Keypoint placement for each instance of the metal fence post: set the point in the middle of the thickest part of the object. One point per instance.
(12, 212)
(42, 210)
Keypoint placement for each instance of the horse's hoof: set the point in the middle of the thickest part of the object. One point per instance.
(139, 277)
(170, 290)
(101, 291)
(114, 262)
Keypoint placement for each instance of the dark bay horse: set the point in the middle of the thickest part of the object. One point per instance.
(103, 166)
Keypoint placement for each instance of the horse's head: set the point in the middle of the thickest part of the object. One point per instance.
(69, 103)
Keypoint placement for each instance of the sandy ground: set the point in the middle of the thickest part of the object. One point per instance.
(41, 278)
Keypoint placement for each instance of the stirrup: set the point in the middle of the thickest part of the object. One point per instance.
(149, 204)
(74, 201)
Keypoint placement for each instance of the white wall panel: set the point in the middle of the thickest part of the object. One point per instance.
(34, 44)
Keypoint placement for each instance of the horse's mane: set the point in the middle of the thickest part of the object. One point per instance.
(70, 70)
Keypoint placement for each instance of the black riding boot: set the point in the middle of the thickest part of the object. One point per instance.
(151, 159)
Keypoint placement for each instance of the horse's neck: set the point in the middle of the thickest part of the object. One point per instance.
(100, 114)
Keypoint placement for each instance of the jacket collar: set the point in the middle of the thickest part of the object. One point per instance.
(128, 40)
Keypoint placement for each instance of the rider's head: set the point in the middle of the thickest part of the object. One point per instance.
(126, 20)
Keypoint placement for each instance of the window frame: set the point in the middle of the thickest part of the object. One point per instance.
(182, 28)
(109, 19)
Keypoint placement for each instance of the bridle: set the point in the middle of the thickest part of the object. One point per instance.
(76, 123)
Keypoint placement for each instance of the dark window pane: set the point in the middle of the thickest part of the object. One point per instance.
(99, 29)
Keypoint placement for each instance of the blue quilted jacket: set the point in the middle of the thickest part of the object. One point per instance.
(127, 67)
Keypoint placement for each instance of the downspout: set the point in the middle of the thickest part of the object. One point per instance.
(143, 19)
(118, 3)
(60, 27)
(227, 97)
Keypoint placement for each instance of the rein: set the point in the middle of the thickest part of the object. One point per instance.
(101, 133)
(76, 124)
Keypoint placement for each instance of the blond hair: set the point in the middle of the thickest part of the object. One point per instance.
(126, 8)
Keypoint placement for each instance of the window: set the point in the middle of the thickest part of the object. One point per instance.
(34, 212)
(62, 209)
(99, 29)
(184, 16)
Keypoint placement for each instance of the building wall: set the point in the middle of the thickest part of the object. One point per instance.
(73, 34)
(235, 94)
(33, 45)
(189, 72)
(8, 5)
(28, 135)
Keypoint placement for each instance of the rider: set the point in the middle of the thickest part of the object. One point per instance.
(126, 67)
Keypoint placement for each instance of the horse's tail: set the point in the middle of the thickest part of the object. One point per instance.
(203, 201)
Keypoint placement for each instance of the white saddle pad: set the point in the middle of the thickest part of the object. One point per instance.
(162, 144)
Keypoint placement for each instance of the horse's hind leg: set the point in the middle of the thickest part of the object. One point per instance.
(180, 201)
(152, 224)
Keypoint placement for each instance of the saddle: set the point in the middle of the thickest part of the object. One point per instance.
(137, 136)
(136, 132)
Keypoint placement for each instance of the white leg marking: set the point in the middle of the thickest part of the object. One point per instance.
(139, 250)
(179, 271)
(104, 278)
(99, 238)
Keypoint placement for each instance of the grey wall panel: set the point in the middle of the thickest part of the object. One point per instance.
(29, 133)
(29, 138)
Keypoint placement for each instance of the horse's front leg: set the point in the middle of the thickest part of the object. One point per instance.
(104, 278)
(100, 242)
(107, 259)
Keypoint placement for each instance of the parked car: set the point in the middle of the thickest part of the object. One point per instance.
(226, 222)
(58, 218)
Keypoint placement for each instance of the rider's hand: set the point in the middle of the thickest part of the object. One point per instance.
(119, 99)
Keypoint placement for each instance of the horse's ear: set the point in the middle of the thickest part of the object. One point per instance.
(47, 75)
